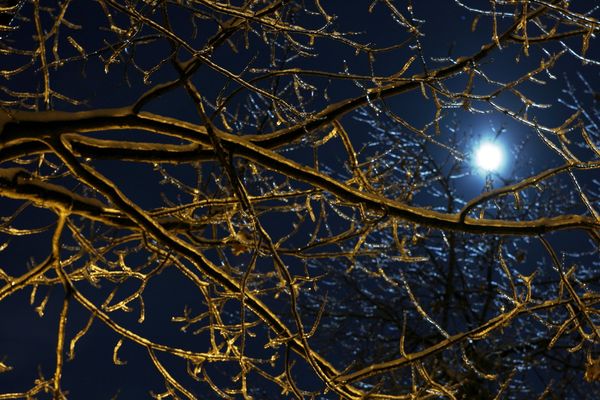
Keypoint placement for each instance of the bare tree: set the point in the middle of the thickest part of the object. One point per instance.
(279, 199)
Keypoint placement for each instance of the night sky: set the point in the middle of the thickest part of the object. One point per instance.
(416, 172)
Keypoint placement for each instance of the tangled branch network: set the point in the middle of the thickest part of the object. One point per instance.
(262, 199)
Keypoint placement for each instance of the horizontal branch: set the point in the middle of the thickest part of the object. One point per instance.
(477, 333)
(523, 184)
(148, 152)
(21, 126)
(19, 184)
(272, 160)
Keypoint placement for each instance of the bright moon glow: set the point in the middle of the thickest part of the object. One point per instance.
(489, 156)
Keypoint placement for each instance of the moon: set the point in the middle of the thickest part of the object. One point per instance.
(489, 156)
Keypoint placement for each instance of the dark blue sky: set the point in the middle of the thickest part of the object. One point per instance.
(28, 339)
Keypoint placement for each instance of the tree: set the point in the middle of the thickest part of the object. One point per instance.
(278, 199)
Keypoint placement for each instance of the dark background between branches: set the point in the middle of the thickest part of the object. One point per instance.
(280, 199)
